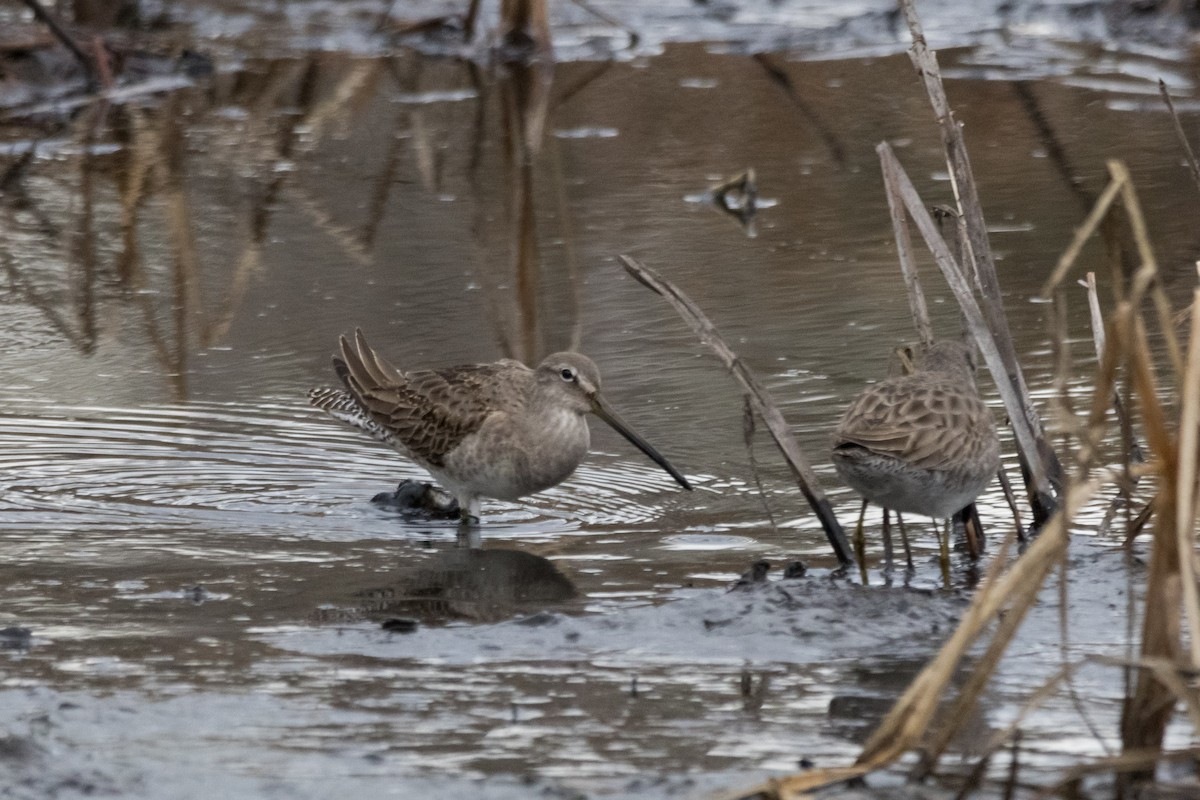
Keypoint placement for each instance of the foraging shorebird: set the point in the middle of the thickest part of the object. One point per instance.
(923, 443)
(499, 430)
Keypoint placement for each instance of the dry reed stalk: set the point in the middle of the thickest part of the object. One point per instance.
(1183, 140)
(1147, 711)
(905, 726)
(748, 428)
(1133, 449)
(1129, 761)
(1036, 455)
(1082, 234)
(908, 265)
(1013, 592)
(969, 693)
(1171, 576)
(1147, 277)
(470, 19)
(1185, 497)
(764, 406)
(1038, 459)
(1009, 593)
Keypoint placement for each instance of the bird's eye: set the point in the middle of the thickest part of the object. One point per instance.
(567, 374)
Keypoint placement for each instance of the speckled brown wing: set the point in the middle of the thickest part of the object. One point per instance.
(932, 424)
(430, 411)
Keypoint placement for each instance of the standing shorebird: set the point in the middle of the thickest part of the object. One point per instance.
(498, 430)
(923, 443)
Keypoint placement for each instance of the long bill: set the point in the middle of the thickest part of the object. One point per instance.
(604, 411)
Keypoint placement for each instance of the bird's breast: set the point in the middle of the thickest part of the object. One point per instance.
(510, 457)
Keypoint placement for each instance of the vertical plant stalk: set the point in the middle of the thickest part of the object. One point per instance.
(1183, 140)
(1148, 277)
(908, 265)
(1128, 436)
(1185, 499)
(1030, 441)
(748, 429)
(1043, 464)
(1145, 713)
(764, 406)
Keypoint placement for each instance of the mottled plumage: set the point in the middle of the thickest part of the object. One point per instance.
(498, 430)
(923, 443)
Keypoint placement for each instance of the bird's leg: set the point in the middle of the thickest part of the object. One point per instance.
(468, 506)
(888, 555)
(468, 523)
(908, 563)
(860, 546)
(973, 531)
(944, 557)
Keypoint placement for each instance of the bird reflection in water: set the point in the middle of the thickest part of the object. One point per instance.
(467, 583)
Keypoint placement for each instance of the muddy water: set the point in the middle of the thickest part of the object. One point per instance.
(194, 550)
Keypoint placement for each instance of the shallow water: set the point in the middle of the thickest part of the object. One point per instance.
(188, 541)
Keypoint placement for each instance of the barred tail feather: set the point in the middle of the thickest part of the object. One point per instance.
(342, 406)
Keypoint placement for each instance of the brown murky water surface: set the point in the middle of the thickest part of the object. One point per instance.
(193, 547)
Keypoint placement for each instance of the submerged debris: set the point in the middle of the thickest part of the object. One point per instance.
(738, 197)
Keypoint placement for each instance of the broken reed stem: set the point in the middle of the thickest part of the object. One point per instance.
(977, 681)
(908, 265)
(1147, 278)
(1185, 491)
(1094, 312)
(1133, 449)
(1176, 677)
(1006, 486)
(764, 406)
(1147, 711)
(1082, 234)
(748, 428)
(1042, 463)
(1034, 452)
(1183, 140)
(1129, 761)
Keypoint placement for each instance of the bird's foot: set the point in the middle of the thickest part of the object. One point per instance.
(419, 499)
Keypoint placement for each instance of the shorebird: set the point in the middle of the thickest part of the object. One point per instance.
(499, 430)
(923, 443)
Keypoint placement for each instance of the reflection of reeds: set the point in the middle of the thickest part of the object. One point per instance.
(525, 25)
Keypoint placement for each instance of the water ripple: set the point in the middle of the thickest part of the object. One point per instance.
(198, 463)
